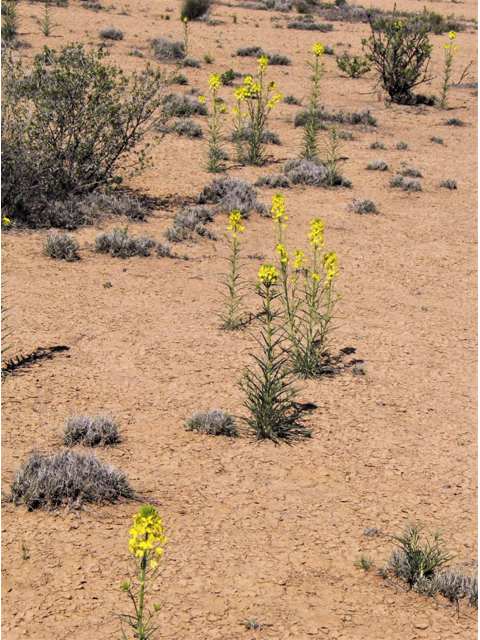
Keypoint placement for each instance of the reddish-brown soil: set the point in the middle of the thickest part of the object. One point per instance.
(256, 530)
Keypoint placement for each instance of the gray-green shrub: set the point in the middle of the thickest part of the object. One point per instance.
(120, 244)
(91, 432)
(110, 33)
(214, 422)
(377, 165)
(61, 246)
(168, 51)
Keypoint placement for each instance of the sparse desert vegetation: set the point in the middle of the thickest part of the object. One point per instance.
(276, 381)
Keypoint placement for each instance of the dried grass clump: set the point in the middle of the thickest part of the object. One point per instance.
(308, 23)
(215, 422)
(401, 146)
(175, 106)
(449, 184)
(412, 172)
(363, 206)
(91, 432)
(168, 51)
(406, 184)
(377, 145)
(322, 116)
(61, 246)
(163, 250)
(232, 193)
(456, 585)
(120, 244)
(50, 480)
(110, 33)
(377, 165)
(187, 127)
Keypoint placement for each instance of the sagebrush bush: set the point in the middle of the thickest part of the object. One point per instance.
(61, 246)
(135, 51)
(363, 206)
(189, 61)
(214, 422)
(377, 145)
(254, 51)
(187, 127)
(279, 59)
(377, 165)
(168, 51)
(182, 106)
(110, 33)
(322, 116)
(312, 172)
(194, 9)
(456, 585)
(449, 184)
(401, 146)
(274, 181)
(454, 122)
(232, 193)
(400, 51)
(290, 99)
(436, 139)
(268, 137)
(163, 250)
(178, 78)
(411, 172)
(91, 432)
(406, 184)
(51, 480)
(120, 244)
(308, 23)
(65, 97)
(346, 135)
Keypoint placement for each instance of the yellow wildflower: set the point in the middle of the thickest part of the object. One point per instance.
(452, 35)
(263, 62)
(223, 110)
(316, 232)
(300, 259)
(318, 49)
(5, 222)
(185, 19)
(248, 81)
(330, 264)
(282, 252)
(202, 99)
(272, 85)
(214, 82)
(148, 527)
(236, 222)
(235, 111)
(278, 207)
(257, 87)
(267, 275)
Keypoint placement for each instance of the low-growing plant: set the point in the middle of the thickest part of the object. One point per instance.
(416, 559)
(230, 194)
(259, 99)
(290, 99)
(163, 250)
(377, 145)
(354, 67)
(274, 181)
(311, 126)
(400, 51)
(272, 412)
(135, 51)
(46, 25)
(363, 206)
(72, 95)
(411, 172)
(233, 281)
(187, 127)
(456, 585)
(10, 21)
(61, 246)
(449, 184)
(182, 106)
(253, 624)
(168, 51)
(145, 547)
(450, 49)
(308, 23)
(406, 184)
(454, 122)
(110, 33)
(268, 137)
(401, 146)
(188, 61)
(346, 135)
(178, 78)
(228, 77)
(322, 116)
(194, 9)
(250, 51)
(91, 432)
(364, 562)
(436, 139)
(372, 531)
(208, 59)
(51, 480)
(120, 244)
(214, 422)
(189, 220)
(377, 165)
(279, 59)
(216, 154)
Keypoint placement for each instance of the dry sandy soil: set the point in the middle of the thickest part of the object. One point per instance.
(256, 530)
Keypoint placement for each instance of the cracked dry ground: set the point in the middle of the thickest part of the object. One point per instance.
(256, 530)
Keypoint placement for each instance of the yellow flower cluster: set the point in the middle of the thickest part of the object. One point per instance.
(452, 35)
(300, 260)
(214, 83)
(278, 207)
(330, 264)
(316, 232)
(5, 222)
(282, 252)
(267, 275)
(241, 93)
(147, 530)
(262, 63)
(276, 98)
(202, 99)
(318, 49)
(236, 222)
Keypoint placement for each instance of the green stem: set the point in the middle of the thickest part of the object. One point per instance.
(142, 594)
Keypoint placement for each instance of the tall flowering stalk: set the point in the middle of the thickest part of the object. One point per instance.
(216, 153)
(260, 99)
(185, 35)
(234, 282)
(272, 412)
(238, 120)
(310, 136)
(145, 545)
(450, 48)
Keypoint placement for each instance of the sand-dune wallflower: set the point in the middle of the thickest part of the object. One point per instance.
(278, 207)
(147, 533)
(318, 49)
(316, 232)
(202, 99)
(282, 252)
(262, 63)
(236, 221)
(267, 275)
(214, 82)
